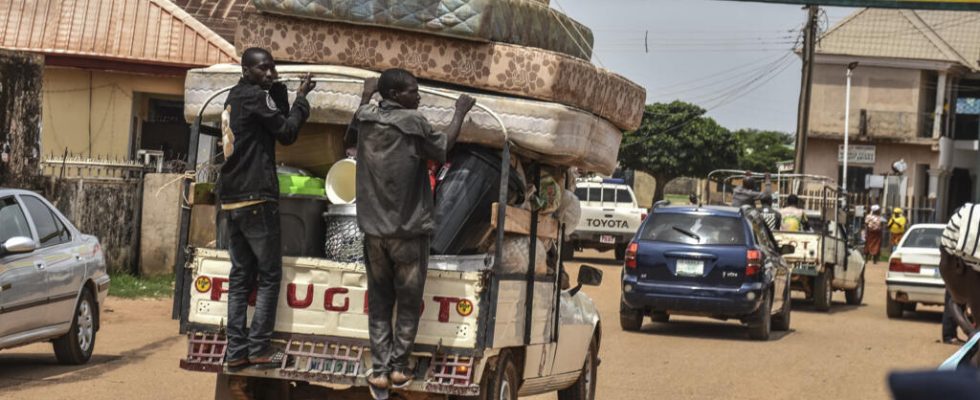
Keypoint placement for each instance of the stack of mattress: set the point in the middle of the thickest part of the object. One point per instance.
(520, 58)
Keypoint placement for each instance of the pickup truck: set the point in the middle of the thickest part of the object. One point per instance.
(824, 262)
(610, 217)
(483, 333)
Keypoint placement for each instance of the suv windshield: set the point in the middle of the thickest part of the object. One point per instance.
(694, 229)
(927, 238)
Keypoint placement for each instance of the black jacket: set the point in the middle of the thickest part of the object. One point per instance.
(258, 120)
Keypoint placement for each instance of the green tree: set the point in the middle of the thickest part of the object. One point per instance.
(761, 150)
(676, 140)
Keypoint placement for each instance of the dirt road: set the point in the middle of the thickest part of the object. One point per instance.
(845, 354)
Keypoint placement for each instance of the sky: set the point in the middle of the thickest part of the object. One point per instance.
(732, 58)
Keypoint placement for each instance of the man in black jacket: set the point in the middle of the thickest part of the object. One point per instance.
(257, 115)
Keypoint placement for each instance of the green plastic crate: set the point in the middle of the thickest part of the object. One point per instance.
(302, 185)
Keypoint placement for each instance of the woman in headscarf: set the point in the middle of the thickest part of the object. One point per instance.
(872, 232)
(896, 226)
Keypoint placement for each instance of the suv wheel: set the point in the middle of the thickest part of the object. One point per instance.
(823, 290)
(631, 320)
(620, 251)
(584, 387)
(75, 347)
(780, 322)
(856, 296)
(760, 323)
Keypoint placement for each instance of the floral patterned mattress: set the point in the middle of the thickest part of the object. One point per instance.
(550, 132)
(496, 67)
(522, 22)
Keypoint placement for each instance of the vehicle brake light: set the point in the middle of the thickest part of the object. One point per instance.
(631, 255)
(753, 262)
(896, 265)
(643, 217)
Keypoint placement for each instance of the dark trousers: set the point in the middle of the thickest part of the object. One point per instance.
(256, 263)
(396, 271)
(949, 324)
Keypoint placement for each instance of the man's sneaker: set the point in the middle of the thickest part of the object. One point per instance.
(378, 394)
(269, 359)
(400, 379)
(379, 381)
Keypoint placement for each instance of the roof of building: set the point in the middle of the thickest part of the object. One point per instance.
(949, 36)
(219, 15)
(142, 31)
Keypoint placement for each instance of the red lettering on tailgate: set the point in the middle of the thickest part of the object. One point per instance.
(444, 304)
(297, 303)
(218, 288)
(328, 302)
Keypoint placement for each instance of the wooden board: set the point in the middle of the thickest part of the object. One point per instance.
(519, 221)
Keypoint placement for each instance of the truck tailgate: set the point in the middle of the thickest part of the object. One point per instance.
(807, 245)
(325, 298)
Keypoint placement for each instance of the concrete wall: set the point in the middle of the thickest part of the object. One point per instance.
(20, 111)
(102, 208)
(821, 159)
(160, 223)
(895, 100)
(83, 106)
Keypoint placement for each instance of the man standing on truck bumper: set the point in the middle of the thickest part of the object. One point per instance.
(394, 210)
(258, 115)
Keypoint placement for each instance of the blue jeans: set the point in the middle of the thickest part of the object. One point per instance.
(396, 271)
(256, 264)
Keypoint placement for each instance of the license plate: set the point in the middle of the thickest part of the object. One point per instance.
(690, 268)
(607, 239)
(928, 271)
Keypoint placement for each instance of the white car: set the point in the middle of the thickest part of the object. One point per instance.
(610, 217)
(913, 271)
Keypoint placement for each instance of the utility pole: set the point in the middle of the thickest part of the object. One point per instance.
(806, 83)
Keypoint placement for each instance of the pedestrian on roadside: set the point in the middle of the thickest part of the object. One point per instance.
(794, 218)
(394, 210)
(949, 323)
(772, 217)
(257, 115)
(872, 233)
(896, 226)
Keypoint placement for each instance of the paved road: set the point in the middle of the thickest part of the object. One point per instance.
(844, 354)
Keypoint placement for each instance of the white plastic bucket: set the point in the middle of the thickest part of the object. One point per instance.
(341, 182)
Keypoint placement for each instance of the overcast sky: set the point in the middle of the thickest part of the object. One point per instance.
(732, 58)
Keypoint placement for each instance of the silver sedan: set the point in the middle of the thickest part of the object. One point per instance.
(52, 278)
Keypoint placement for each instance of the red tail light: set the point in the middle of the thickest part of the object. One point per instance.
(753, 262)
(631, 255)
(643, 217)
(896, 265)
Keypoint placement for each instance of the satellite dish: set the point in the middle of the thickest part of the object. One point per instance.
(900, 166)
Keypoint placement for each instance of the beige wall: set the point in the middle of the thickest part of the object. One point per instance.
(821, 159)
(895, 100)
(68, 113)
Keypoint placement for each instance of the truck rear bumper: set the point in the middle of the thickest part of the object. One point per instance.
(338, 363)
(693, 300)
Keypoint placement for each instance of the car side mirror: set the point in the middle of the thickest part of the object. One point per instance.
(787, 249)
(587, 275)
(18, 244)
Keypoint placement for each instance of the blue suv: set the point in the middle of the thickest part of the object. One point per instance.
(718, 262)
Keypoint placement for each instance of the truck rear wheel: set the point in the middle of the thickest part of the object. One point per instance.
(567, 251)
(500, 383)
(620, 251)
(823, 290)
(584, 387)
(856, 296)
